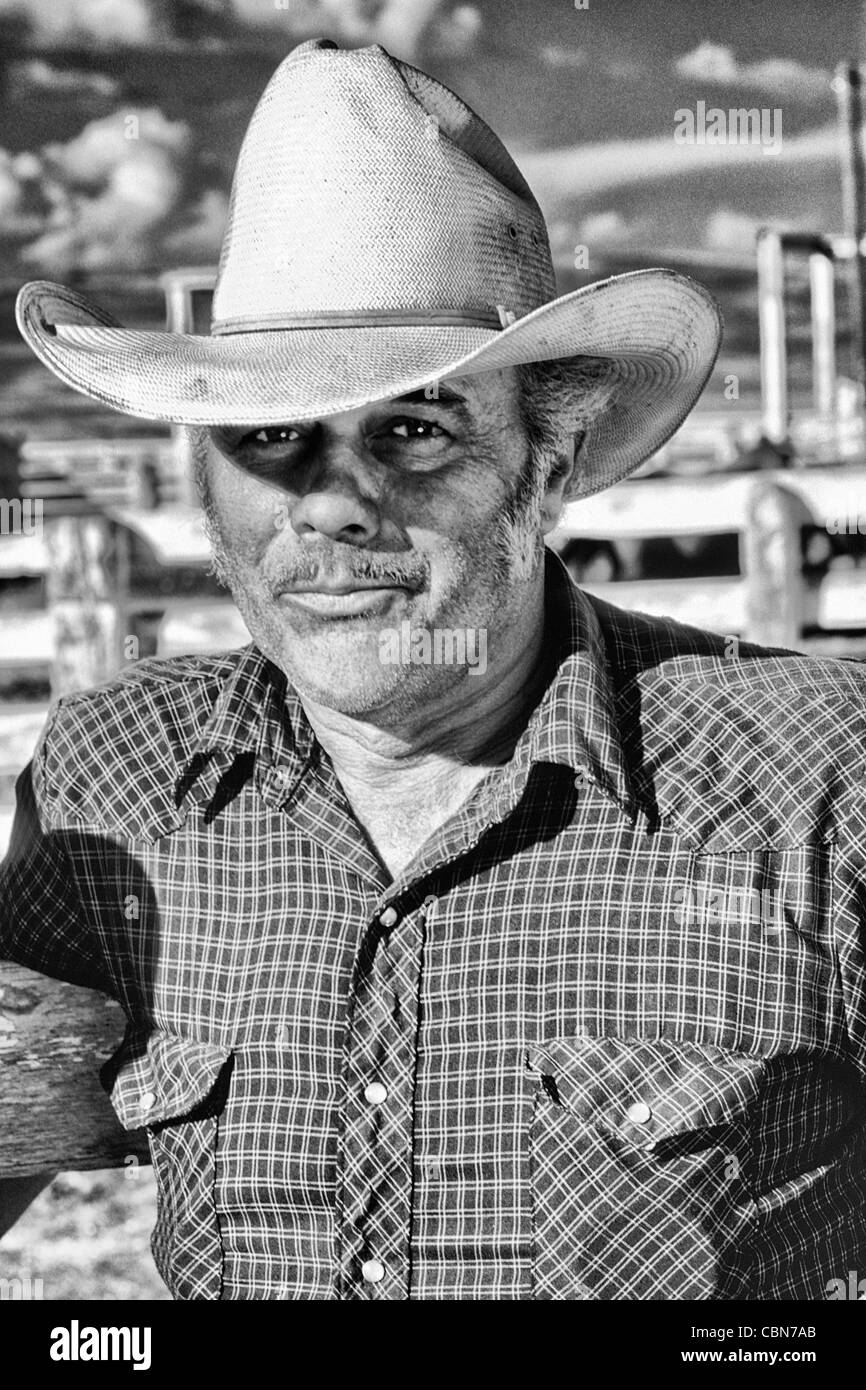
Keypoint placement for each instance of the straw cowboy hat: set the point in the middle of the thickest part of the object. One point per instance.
(380, 238)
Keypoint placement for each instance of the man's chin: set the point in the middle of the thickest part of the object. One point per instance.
(350, 677)
(362, 693)
(358, 665)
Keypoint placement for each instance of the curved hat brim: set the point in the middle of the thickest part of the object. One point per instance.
(660, 332)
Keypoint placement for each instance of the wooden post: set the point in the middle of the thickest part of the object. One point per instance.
(53, 1036)
(185, 290)
(823, 314)
(771, 323)
(848, 86)
(79, 589)
(54, 1114)
(772, 564)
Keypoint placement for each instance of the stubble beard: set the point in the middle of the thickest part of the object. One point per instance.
(498, 573)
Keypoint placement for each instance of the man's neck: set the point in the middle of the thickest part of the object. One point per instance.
(407, 775)
(473, 723)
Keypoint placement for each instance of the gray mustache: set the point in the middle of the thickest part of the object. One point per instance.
(348, 566)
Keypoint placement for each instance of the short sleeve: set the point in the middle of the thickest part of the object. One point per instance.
(42, 920)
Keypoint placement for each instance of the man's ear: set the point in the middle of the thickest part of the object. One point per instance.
(558, 483)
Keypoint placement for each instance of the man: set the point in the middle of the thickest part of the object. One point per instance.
(478, 940)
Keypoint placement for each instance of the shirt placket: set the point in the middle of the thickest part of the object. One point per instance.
(377, 1139)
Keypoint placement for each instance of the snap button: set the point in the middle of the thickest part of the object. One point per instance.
(147, 1100)
(375, 1093)
(388, 917)
(639, 1113)
(372, 1271)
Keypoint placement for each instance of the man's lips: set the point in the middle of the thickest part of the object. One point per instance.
(343, 598)
(341, 586)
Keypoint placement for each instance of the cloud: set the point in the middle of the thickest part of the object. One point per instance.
(608, 226)
(558, 177)
(599, 232)
(17, 175)
(402, 26)
(101, 21)
(35, 74)
(200, 239)
(396, 23)
(715, 64)
(10, 187)
(456, 33)
(640, 195)
(133, 190)
(124, 139)
(602, 232)
(556, 56)
(110, 192)
(726, 230)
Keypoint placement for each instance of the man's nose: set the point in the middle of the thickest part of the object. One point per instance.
(337, 500)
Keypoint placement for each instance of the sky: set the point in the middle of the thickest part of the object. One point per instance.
(586, 99)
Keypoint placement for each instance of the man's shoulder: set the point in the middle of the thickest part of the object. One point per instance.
(148, 693)
(661, 652)
(135, 731)
(748, 743)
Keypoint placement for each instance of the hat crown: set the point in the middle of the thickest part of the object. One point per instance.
(365, 189)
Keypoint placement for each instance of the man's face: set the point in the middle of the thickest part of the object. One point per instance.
(334, 533)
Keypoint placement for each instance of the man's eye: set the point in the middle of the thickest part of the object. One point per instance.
(272, 434)
(416, 429)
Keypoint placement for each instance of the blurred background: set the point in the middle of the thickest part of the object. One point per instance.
(120, 121)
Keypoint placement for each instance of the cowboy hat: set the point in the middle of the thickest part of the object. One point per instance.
(379, 239)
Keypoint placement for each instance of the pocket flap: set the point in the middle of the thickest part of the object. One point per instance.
(647, 1091)
(159, 1076)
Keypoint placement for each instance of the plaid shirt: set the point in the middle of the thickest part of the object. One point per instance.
(604, 1038)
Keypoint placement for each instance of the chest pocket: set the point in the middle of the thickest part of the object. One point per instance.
(641, 1162)
(177, 1088)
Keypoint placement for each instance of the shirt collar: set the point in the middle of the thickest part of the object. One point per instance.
(575, 723)
(258, 714)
